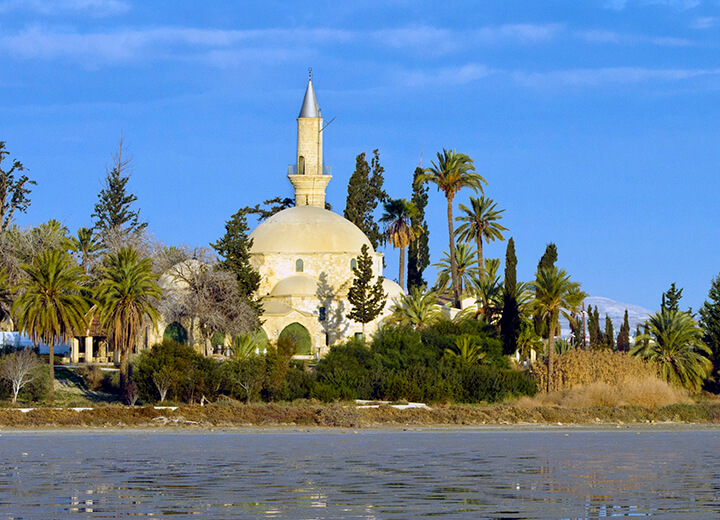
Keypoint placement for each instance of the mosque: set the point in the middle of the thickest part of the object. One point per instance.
(305, 254)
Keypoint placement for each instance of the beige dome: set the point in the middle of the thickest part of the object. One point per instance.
(296, 285)
(392, 289)
(307, 229)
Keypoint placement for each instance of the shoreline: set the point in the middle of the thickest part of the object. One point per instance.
(314, 416)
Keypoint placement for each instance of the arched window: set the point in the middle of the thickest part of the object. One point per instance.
(301, 165)
(299, 265)
(353, 264)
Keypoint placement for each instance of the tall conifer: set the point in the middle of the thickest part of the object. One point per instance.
(510, 320)
(365, 191)
(367, 300)
(418, 251)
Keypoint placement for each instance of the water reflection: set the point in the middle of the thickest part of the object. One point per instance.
(372, 475)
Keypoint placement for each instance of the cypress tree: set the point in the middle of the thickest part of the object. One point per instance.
(418, 251)
(596, 340)
(510, 320)
(365, 191)
(623, 337)
(367, 300)
(710, 319)
(671, 298)
(547, 261)
(609, 336)
(234, 249)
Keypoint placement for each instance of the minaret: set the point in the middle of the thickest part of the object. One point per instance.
(307, 175)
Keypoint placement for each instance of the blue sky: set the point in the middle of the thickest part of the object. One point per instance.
(594, 122)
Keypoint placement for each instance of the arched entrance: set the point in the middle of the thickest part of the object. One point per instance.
(300, 336)
(176, 332)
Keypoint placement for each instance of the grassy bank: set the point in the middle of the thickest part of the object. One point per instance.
(349, 416)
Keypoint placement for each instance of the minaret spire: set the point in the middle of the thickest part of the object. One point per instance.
(307, 175)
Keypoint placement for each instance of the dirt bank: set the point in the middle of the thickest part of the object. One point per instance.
(349, 416)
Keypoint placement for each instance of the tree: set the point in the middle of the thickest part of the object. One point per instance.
(452, 172)
(20, 368)
(547, 261)
(674, 341)
(365, 191)
(596, 339)
(510, 321)
(609, 336)
(623, 337)
(13, 193)
(466, 348)
(710, 318)
(480, 221)
(575, 300)
(418, 308)
(671, 298)
(367, 300)
(126, 295)
(464, 265)
(418, 251)
(113, 210)
(234, 249)
(399, 230)
(86, 247)
(551, 290)
(489, 291)
(50, 308)
(208, 297)
(5, 295)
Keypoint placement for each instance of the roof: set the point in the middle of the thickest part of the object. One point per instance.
(307, 229)
(310, 105)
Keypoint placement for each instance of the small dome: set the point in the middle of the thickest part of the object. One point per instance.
(297, 285)
(307, 229)
(392, 289)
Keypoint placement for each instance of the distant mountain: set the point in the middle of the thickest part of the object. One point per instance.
(616, 312)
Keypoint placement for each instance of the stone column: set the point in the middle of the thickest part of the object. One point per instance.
(74, 350)
(88, 349)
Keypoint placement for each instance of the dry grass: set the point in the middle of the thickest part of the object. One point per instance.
(645, 393)
(581, 368)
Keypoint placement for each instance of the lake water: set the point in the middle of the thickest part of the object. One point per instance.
(371, 474)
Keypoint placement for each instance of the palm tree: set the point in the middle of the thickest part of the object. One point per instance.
(464, 266)
(126, 296)
(50, 308)
(452, 172)
(480, 222)
(418, 308)
(674, 341)
(399, 229)
(528, 342)
(552, 287)
(85, 246)
(489, 290)
(466, 349)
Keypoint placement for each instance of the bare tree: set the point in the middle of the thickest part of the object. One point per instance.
(20, 369)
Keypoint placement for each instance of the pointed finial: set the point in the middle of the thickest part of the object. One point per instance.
(310, 73)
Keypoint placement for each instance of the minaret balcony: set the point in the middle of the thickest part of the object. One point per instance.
(292, 169)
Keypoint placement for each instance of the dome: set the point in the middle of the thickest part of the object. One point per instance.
(307, 229)
(296, 285)
(392, 289)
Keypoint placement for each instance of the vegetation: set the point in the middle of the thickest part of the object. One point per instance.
(13, 192)
(367, 300)
(452, 172)
(674, 342)
(113, 210)
(399, 230)
(511, 319)
(365, 191)
(50, 308)
(418, 251)
(126, 295)
(480, 222)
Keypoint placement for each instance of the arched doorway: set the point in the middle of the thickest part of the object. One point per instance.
(176, 332)
(300, 336)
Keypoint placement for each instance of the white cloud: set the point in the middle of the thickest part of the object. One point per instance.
(127, 45)
(518, 33)
(445, 76)
(705, 22)
(603, 36)
(676, 4)
(97, 8)
(606, 76)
